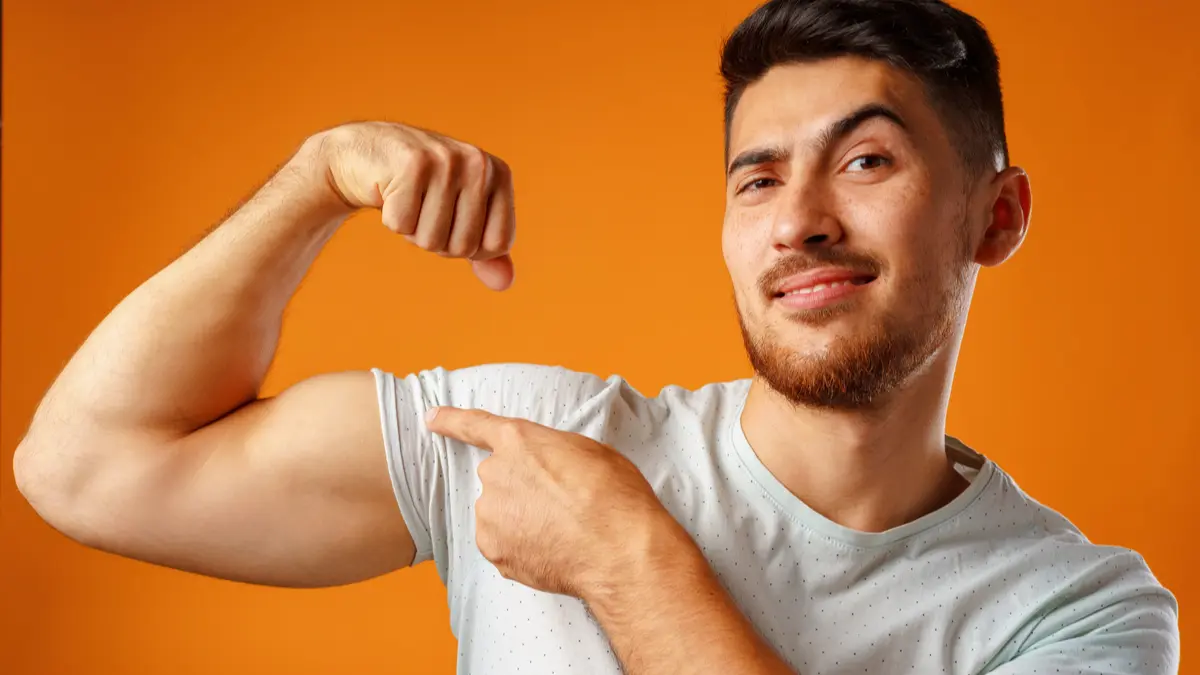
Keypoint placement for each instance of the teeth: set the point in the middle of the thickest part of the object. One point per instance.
(819, 287)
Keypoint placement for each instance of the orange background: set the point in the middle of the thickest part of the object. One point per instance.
(130, 127)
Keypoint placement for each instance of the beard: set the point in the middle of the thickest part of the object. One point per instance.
(859, 371)
(854, 373)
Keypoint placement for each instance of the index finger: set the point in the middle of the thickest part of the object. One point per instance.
(474, 427)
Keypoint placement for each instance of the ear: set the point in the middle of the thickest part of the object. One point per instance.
(1008, 217)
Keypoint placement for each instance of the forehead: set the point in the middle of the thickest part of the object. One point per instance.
(797, 100)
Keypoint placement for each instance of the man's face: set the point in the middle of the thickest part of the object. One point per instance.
(847, 230)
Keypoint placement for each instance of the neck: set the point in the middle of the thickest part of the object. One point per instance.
(866, 470)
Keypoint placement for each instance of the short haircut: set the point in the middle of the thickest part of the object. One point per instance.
(948, 50)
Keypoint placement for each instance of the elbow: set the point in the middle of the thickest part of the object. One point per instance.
(31, 479)
(51, 486)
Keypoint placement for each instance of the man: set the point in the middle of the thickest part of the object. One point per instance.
(812, 519)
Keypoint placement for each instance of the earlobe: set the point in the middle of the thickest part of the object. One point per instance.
(1009, 217)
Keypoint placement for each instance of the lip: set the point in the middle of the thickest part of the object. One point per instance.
(836, 284)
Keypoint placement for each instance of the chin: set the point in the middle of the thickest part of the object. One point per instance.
(803, 345)
(845, 362)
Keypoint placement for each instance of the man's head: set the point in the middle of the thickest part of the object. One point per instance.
(868, 179)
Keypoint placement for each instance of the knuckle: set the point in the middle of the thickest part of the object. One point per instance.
(503, 171)
(398, 225)
(486, 254)
(493, 242)
(423, 239)
(513, 431)
(404, 221)
(443, 156)
(464, 242)
(471, 251)
(428, 243)
(474, 162)
(460, 248)
(493, 245)
(419, 163)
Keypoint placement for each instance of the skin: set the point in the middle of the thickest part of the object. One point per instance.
(898, 196)
(182, 464)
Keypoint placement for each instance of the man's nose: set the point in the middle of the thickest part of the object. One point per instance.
(804, 219)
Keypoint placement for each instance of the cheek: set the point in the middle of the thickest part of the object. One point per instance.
(903, 229)
(927, 260)
(744, 262)
(882, 218)
(738, 249)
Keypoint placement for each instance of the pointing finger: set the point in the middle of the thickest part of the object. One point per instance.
(474, 427)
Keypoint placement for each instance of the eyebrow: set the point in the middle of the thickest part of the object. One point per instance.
(824, 140)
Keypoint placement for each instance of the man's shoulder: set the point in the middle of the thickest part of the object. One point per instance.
(556, 394)
(1071, 594)
(1054, 555)
(1035, 526)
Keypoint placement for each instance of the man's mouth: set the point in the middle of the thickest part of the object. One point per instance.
(821, 280)
(818, 288)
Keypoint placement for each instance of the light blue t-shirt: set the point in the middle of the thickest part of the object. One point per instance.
(994, 582)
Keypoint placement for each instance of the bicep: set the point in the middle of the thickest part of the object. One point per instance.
(291, 490)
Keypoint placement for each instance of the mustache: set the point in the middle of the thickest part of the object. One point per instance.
(858, 263)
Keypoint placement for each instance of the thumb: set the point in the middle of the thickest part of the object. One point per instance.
(495, 273)
(473, 427)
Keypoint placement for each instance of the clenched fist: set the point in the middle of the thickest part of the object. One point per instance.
(443, 195)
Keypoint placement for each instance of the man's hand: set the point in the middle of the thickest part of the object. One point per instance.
(560, 512)
(443, 195)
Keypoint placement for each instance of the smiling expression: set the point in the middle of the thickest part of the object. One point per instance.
(848, 229)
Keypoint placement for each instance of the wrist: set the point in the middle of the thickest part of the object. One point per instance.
(309, 172)
(657, 555)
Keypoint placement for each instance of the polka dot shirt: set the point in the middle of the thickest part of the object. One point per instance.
(994, 582)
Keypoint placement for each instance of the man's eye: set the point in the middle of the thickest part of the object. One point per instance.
(757, 184)
(867, 162)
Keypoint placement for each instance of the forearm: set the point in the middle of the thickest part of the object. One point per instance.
(671, 615)
(201, 333)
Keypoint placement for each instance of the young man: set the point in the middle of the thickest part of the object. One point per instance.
(812, 519)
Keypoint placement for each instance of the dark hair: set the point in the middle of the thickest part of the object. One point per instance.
(948, 50)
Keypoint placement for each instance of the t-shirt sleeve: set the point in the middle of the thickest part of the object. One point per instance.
(1131, 627)
(435, 485)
